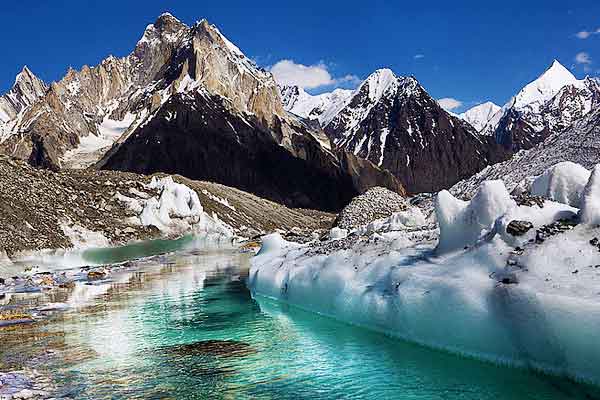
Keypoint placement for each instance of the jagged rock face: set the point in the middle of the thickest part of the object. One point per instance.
(170, 57)
(75, 107)
(579, 143)
(223, 69)
(215, 102)
(26, 90)
(547, 105)
(394, 123)
(197, 135)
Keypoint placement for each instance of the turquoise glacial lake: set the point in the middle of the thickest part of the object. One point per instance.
(185, 326)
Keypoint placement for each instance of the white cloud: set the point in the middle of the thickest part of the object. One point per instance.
(583, 58)
(288, 72)
(418, 56)
(586, 34)
(449, 104)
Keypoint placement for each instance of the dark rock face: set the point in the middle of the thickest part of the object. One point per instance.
(409, 134)
(515, 133)
(519, 228)
(197, 136)
(523, 127)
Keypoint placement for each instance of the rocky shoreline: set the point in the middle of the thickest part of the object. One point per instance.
(42, 209)
(25, 384)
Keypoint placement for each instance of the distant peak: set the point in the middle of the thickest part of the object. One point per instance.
(557, 69)
(382, 72)
(25, 76)
(545, 87)
(166, 18)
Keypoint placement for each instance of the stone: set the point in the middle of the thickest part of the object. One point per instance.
(518, 228)
(23, 394)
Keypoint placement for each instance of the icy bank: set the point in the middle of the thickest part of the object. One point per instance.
(175, 211)
(529, 300)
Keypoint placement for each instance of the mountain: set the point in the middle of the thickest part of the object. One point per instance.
(87, 110)
(579, 143)
(393, 122)
(549, 104)
(25, 91)
(482, 115)
(219, 117)
(188, 101)
(323, 107)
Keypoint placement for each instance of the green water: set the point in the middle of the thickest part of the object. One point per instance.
(184, 326)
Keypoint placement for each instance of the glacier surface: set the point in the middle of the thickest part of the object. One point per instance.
(475, 289)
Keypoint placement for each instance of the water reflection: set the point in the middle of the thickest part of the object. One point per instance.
(185, 326)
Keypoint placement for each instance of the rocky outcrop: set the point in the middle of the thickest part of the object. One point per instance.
(374, 204)
(25, 91)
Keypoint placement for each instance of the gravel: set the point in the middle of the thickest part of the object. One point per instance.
(376, 203)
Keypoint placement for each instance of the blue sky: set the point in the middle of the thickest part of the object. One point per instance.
(472, 51)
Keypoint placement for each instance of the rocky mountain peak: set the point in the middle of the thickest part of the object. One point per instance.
(481, 115)
(167, 21)
(25, 91)
(220, 67)
(378, 83)
(547, 105)
(546, 86)
(165, 32)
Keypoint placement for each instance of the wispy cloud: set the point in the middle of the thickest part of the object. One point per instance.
(449, 104)
(586, 34)
(418, 56)
(583, 58)
(288, 72)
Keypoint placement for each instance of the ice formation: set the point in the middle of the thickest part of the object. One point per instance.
(590, 210)
(564, 182)
(175, 211)
(463, 223)
(528, 300)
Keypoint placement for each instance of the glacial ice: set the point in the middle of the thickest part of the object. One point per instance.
(176, 210)
(452, 295)
(590, 210)
(463, 223)
(564, 182)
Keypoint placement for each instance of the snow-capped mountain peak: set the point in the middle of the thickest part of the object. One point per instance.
(26, 89)
(481, 115)
(545, 87)
(548, 104)
(323, 107)
(379, 82)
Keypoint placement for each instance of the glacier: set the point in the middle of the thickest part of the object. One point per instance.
(463, 283)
